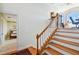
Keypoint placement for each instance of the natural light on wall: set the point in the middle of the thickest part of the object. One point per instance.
(75, 17)
(71, 19)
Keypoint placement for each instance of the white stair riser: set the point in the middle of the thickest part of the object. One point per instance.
(59, 50)
(69, 30)
(68, 34)
(67, 45)
(68, 39)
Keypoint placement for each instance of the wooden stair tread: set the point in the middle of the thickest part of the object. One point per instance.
(67, 42)
(52, 51)
(66, 36)
(72, 51)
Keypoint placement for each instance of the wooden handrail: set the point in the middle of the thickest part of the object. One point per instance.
(45, 29)
(47, 40)
(52, 19)
(39, 35)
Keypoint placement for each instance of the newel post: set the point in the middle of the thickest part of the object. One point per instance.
(37, 37)
(57, 19)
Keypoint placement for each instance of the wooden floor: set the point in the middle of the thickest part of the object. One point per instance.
(32, 50)
(27, 51)
(22, 52)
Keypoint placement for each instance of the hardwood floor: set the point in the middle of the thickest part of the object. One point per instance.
(22, 52)
(32, 50)
(27, 51)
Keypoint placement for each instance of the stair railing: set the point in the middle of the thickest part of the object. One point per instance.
(40, 36)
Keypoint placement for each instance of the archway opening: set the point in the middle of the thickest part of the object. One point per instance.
(70, 18)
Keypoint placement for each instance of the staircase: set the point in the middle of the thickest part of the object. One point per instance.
(61, 41)
(64, 42)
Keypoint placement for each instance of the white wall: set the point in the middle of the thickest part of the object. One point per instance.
(31, 19)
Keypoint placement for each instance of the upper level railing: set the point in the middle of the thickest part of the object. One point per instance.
(41, 38)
